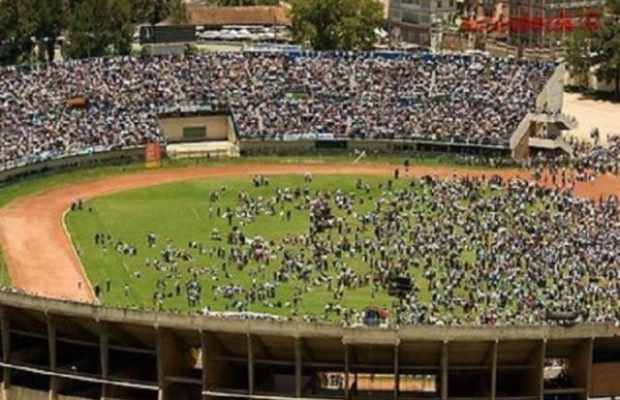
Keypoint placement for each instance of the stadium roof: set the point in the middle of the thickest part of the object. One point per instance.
(198, 14)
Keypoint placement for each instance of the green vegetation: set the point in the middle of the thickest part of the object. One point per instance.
(179, 213)
(194, 133)
(93, 28)
(99, 27)
(155, 11)
(42, 182)
(228, 3)
(598, 47)
(4, 273)
(184, 213)
(578, 44)
(337, 24)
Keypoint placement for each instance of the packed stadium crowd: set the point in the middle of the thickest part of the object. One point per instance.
(48, 110)
(589, 158)
(591, 155)
(482, 251)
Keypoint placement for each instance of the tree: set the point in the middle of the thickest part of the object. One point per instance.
(177, 12)
(336, 24)
(48, 23)
(15, 33)
(578, 59)
(599, 49)
(229, 3)
(121, 26)
(606, 46)
(24, 23)
(97, 28)
(155, 11)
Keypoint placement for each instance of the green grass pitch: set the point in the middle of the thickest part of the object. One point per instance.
(179, 213)
(44, 181)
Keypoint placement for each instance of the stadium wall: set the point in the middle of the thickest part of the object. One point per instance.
(391, 146)
(73, 162)
(256, 148)
(56, 349)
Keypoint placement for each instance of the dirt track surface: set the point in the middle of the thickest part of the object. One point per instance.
(40, 256)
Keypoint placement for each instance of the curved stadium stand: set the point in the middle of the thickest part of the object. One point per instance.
(47, 111)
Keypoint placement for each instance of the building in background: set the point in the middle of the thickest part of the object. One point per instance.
(545, 23)
(204, 15)
(386, 7)
(411, 20)
(243, 24)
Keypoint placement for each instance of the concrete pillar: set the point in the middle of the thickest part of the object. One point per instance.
(250, 365)
(298, 366)
(51, 338)
(104, 356)
(6, 351)
(396, 371)
(444, 371)
(494, 370)
(533, 381)
(541, 369)
(219, 374)
(590, 360)
(580, 365)
(346, 371)
(203, 355)
(169, 360)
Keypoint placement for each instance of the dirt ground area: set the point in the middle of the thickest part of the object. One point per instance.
(40, 256)
(590, 114)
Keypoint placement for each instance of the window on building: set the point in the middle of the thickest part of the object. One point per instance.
(194, 133)
(411, 18)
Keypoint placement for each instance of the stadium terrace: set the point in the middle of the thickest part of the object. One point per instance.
(464, 99)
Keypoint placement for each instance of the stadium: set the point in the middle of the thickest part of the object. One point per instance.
(281, 225)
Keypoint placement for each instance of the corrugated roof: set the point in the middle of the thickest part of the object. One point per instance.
(252, 15)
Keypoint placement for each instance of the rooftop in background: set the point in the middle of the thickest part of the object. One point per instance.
(198, 14)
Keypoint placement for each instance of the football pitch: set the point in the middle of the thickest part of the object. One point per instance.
(183, 218)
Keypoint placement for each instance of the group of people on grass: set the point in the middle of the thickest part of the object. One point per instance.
(49, 110)
(475, 250)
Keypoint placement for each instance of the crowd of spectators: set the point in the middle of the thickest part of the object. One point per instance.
(589, 158)
(482, 251)
(475, 99)
(597, 157)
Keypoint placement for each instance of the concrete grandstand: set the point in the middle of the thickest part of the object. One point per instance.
(471, 104)
(70, 350)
